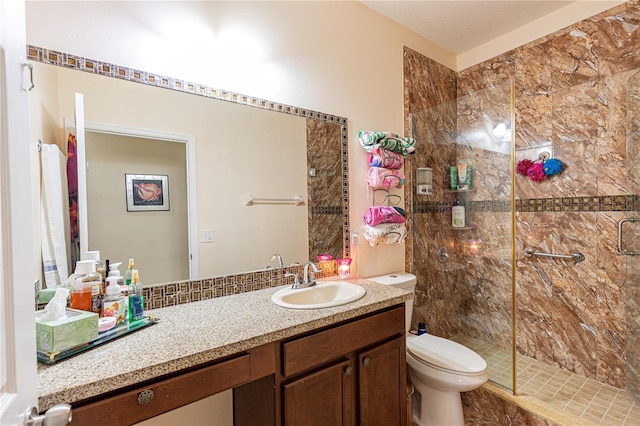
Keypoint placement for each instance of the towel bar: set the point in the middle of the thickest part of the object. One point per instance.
(577, 257)
(251, 200)
(620, 249)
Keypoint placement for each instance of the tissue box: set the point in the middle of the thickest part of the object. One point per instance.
(54, 336)
(46, 294)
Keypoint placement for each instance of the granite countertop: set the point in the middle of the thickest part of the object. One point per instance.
(195, 333)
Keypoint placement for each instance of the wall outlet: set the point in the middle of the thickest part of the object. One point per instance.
(207, 236)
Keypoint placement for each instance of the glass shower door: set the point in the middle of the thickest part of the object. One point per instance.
(629, 238)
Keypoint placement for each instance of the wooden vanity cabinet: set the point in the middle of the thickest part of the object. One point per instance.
(148, 400)
(349, 374)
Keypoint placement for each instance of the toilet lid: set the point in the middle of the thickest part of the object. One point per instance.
(446, 354)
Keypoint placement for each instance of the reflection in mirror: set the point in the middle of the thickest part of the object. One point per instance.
(240, 150)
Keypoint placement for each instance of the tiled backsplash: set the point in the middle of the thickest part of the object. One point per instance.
(181, 292)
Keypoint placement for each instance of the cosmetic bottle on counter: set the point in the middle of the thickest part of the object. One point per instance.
(85, 294)
(114, 276)
(457, 215)
(115, 304)
(136, 300)
(129, 274)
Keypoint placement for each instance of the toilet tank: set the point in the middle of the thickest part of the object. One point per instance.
(403, 280)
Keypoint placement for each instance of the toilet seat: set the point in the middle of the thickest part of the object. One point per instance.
(446, 355)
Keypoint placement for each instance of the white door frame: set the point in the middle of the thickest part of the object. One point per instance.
(192, 199)
(18, 374)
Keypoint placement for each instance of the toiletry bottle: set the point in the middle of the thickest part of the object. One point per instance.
(457, 215)
(129, 275)
(453, 177)
(115, 304)
(136, 300)
(85, 294)
(114, 276)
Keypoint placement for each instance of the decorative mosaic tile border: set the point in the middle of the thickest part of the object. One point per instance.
(178, 293)
(328, 210)
(604, 203)
(54, 57)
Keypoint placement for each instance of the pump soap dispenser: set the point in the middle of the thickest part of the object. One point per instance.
(115, 304)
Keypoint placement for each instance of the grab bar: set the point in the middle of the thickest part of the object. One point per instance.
(251, 200)
(620, 250)
(576, 257)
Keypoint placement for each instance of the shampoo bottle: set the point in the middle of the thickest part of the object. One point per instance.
(136, 300)
(457, 215)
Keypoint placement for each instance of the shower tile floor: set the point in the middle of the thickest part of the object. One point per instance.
(588, 400)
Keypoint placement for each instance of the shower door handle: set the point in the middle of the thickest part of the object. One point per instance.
(620, 250)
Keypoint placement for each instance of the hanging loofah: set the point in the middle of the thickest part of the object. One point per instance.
(523, 166)
(539, 169)
(536, 172)
(552, 166)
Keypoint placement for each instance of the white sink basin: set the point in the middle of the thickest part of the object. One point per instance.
(322, 295)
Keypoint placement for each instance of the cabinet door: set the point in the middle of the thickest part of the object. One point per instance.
(382, 382)
(323, 398)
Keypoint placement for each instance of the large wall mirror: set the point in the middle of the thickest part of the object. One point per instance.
(215, 150)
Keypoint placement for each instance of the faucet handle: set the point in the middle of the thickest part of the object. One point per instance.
(296, 280)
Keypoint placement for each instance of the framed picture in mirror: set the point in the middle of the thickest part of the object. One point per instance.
(147, 192)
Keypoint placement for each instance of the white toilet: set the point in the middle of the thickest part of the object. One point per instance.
(439, 369)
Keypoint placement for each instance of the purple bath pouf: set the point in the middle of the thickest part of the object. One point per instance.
(536, 172)
(553, 166)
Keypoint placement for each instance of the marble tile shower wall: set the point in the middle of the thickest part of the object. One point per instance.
(570, 93)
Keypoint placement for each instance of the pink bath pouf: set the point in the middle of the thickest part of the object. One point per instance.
(536, 172)
(523, 166)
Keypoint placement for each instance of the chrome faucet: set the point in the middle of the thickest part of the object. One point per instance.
(279, 259)
(307, 280)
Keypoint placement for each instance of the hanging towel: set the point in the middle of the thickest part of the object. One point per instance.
(381, 178)
(388, 233)
(384, 214)
(387, 140)
(380, 157)
(54, 214)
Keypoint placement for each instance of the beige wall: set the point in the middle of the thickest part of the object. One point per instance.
(157, 240)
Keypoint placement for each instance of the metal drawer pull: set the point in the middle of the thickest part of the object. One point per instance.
(620, 250)
(348, 371)
(145, 397)
(366, 361)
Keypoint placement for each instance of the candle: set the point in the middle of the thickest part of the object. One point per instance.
(324, 257)
(344, 266)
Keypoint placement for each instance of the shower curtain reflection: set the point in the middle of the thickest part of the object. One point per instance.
(467, 296)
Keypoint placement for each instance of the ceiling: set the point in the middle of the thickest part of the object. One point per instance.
(459, 26)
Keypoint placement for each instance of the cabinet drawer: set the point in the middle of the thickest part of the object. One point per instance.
(319, 348)
(162, 396)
